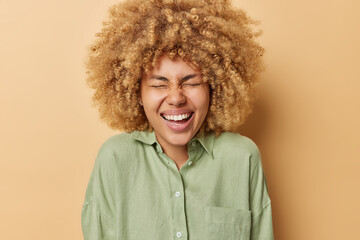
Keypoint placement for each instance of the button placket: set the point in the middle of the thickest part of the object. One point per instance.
(177, 188)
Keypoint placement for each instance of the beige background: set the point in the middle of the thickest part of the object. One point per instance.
(305, 124)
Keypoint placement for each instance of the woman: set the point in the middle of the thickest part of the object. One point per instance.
(178, 78)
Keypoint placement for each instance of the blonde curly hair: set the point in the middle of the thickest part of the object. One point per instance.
(208, 34)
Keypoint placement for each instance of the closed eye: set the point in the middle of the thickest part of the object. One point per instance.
(192, 84)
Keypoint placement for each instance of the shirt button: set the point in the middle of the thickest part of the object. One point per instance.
(189, 163)
(193, 144)
(177, 194)
(178, 234)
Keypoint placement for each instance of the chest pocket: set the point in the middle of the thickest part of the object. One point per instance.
(227, 223)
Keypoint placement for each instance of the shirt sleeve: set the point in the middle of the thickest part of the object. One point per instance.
(260, 203)
(98, 212)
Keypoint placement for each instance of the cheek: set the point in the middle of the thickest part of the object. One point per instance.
(201, 100)
(151, 99)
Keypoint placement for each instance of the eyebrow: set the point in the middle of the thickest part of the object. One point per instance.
(187, 77)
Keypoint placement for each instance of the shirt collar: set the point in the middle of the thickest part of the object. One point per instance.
(144, 137)
(206, 139)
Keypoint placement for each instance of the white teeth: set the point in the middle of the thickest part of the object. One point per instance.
(176, 117)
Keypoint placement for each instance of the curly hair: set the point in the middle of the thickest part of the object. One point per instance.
(210, 35)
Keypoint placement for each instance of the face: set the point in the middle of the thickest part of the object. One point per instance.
(175, 101)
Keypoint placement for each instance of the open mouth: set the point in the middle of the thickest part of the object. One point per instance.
(177, 119)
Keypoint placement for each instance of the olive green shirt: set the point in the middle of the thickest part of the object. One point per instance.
(136, 191)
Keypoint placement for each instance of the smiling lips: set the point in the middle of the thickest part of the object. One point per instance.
(176, 117)
(178, 122)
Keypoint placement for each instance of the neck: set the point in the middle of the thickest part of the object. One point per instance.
(179, 157)
(179, 154)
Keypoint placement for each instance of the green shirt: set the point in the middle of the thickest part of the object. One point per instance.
(136, 191)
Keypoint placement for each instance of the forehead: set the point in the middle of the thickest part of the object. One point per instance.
(176, 66)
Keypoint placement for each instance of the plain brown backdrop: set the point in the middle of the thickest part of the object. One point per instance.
(305, 123)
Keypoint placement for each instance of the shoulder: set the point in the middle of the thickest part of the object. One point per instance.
(235, 149)
(118, 142)
(116, 147)
(236, 143)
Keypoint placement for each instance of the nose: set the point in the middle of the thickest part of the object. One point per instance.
(175, 97)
